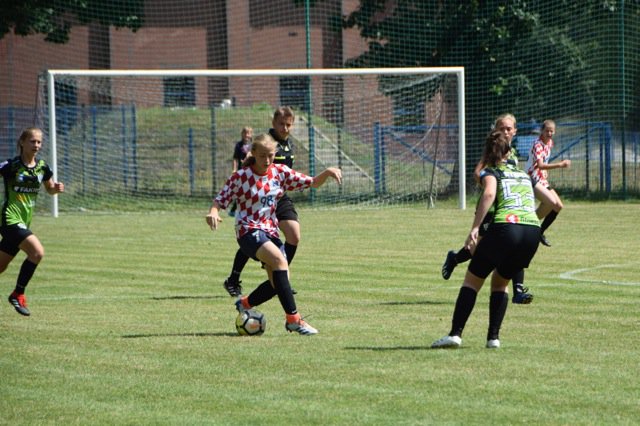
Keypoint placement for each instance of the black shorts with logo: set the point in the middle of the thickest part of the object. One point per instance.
(12, 237)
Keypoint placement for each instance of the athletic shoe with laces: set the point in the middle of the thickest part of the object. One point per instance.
(544, 241)
(447, 342)
(300, 327)
(493, 344)
(521, 296)
(19, 302)
(233, 287)
(449, 265)
(239, 306)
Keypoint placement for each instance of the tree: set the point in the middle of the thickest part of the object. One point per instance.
(534, 59)
(54, 18)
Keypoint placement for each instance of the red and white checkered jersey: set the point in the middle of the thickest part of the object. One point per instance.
(539, 151)
(256, 196)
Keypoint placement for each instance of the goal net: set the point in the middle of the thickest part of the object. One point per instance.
(134, 140)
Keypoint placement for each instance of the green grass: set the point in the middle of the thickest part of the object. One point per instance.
(130, 325)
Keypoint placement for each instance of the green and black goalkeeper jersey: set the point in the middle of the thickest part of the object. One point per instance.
(515, 201)
(284, 153)
(21, 187)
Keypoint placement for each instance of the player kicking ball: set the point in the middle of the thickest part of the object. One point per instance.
(256, 188)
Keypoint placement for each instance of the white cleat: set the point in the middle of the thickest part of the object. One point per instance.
(493, 344)
(447, 342)
(300, 327)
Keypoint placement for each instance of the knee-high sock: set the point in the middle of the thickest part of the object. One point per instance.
(464, 305)
(26, 272)
(518, 278)
(283, 290)
(463, 255)
(290, 251)
(239, 263)
(263, 293)
(548, 220)
(498, 303)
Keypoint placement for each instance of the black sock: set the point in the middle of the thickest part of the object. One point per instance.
(263, 293)
(283, 290)
(498, 303)
(26, 272)
(518, 278)
(463, 255)
(464, 305)
(290, 250)
(239, 263)
(548, 220)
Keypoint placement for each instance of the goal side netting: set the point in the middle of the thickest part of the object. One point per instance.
(140, 140)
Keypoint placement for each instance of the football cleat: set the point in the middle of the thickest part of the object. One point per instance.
(19, 302)
(239, 307)
(544, 241)
(300, 327)
(521, 296)
(447, 342)
(233, 287)
(493, 344)
(449, 265)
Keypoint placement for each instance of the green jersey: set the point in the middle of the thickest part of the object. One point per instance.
(515, 201)
(21, 186)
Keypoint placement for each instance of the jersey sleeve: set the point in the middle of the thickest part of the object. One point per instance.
(228, 191)
(294, 180)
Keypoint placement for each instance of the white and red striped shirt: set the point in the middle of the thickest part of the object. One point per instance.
(539, 151)
(256, 196)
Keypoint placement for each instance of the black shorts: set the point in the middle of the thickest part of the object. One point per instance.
(484, 226)
(251, 242)
(12, 237)
(505, 247)
(285, 210)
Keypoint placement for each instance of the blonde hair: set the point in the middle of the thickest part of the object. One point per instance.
(505, 116)
(25, 135)
(262, 141)
(547, 123)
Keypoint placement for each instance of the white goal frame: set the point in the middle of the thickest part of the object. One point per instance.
(457, 71)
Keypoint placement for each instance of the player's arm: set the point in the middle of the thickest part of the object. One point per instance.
(333, 172)
(564, 164)
(213, 218)
(490, 185)
(52, 187)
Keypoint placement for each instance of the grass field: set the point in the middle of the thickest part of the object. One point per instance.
(130, 325)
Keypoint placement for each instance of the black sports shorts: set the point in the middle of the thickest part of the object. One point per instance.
(285, 210)
(12, 236)
(505, 247)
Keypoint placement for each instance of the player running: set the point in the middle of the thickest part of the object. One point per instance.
(23, 176)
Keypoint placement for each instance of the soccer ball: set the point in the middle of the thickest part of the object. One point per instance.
(251, 323)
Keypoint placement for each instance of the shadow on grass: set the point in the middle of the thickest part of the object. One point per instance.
(142, 336)
(181, 297)
(416, 302)
(389, 348)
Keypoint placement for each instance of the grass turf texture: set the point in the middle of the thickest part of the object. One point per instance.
(130, 325)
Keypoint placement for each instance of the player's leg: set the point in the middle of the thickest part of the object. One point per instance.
(498, 302)
(548, 214)
(232, 283)
(32, 246)
(521, 293)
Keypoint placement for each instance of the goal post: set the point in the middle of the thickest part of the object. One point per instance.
(122, 139)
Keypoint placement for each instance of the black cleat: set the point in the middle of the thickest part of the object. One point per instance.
(544, 241)
(233, 287)
(449, 265)
(522, 295)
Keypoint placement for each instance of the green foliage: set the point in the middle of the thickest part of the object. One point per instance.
(54, 18)
(130, 325)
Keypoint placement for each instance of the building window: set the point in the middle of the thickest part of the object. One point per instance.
(179, 91)
(294, 92)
